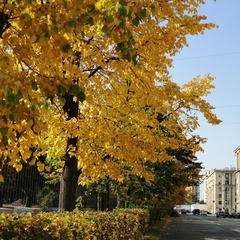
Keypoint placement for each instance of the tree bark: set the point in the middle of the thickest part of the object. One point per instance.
(70, 171)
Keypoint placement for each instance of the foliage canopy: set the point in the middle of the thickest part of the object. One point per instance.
(112, 58)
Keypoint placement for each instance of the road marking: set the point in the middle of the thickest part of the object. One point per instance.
(236, 230)
(210, 238)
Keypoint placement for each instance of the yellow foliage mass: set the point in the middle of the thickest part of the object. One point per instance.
(114, 54)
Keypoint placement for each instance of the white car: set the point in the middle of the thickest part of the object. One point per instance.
(204, 213)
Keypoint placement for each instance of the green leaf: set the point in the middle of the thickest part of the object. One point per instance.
(122, 10)
(4, 118)
(77, 91)
(4, 130)
(72, 23)
(74, 90)
(61, 89)
(46, 34)
(11, 98)
(105, 28)
(28, 79)
(131, 42)
(134, 59)
(24, 15)
(135, 21)
(121, 24)
(3, 103)
(119, 47)
(127, 56)
(66, 47)
(46, 106)
(4, 140)
(143, 13)
(90, 21)
(62, 100)
(11, 117)
(19, 95)
(34, 86)
(81, 96)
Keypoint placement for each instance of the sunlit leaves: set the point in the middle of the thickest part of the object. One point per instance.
(112, 59)
(40, 166)
(26, 155)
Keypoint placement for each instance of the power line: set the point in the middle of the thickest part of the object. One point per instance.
(227, 106)
(207, 56)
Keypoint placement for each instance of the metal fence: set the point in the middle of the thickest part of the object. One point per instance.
(20, 188)
(28, 188)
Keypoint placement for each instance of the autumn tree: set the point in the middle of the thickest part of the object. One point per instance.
(76, 77)
(171, 179)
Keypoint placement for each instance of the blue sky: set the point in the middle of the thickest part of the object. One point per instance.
(216, 52)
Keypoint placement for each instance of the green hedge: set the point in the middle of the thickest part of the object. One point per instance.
(120, 224)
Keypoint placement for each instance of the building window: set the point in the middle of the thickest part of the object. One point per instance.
(220, 202)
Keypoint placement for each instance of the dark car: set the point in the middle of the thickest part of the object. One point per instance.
(196, 211)
(174, 213)
(222, 214)
(234, 215)
(183, 211)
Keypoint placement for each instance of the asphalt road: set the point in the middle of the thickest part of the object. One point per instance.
(194, 227)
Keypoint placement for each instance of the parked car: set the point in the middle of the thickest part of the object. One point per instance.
(196, 211)
(174, 213)
(203, 213)
(222, 214)
(234, 215)
(183, 211)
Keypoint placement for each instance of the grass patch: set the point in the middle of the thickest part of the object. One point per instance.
(155, 230)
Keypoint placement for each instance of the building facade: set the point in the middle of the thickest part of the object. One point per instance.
(237, 176)
(220, 190)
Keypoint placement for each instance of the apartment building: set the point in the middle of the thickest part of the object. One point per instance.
(220, 189)
(237, 177)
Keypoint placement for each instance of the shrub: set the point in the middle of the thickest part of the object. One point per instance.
(119, 224)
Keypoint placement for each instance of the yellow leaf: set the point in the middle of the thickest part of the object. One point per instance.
(33, 161)
(47, 168)
(37, 128)
(40, 166)
(29, 123)
(89, 99)
(18, 167)
(26, 155)
(98, 5)
(1, 178)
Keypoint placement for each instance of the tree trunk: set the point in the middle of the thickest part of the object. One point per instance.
(70, 171)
